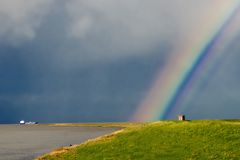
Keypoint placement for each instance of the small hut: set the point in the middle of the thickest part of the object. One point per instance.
(181, 117)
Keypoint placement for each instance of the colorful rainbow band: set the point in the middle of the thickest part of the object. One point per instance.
(176, 78)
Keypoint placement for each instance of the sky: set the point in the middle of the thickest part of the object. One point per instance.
(95, 61)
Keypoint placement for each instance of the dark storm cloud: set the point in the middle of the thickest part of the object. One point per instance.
(102, 92)
(81, 60)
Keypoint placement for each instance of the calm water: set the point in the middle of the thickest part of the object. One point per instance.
(28, 142)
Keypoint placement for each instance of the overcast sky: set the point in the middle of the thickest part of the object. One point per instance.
(95, 60)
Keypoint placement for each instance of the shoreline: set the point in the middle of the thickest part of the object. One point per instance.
(65, 149)
(121, 125)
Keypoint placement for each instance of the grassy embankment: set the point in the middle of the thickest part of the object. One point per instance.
(161, 140)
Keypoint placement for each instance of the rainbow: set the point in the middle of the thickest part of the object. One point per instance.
(188, 59)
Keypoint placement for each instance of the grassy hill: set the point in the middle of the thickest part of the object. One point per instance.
(167, 140)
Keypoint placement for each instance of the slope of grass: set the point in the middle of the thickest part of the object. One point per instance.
(168, 140)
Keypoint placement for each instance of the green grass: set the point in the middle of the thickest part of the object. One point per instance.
(167, 140)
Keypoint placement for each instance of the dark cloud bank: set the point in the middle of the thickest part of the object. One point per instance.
(81, 61)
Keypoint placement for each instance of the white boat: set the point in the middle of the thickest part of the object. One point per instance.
(22, 122)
